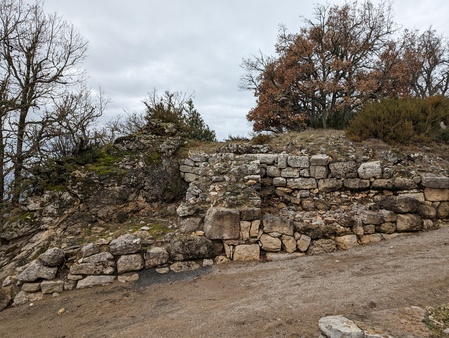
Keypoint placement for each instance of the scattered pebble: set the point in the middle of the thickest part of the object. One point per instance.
(61, 311)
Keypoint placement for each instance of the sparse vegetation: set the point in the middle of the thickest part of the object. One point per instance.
(402, 121)
(437, 320)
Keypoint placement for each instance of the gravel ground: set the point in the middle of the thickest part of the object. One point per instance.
(272, 299)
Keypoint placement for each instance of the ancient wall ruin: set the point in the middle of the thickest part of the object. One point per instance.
(250, 204)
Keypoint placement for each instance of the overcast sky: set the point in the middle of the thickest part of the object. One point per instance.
(197, 46)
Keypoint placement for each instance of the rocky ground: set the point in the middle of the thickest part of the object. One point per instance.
(379, 286)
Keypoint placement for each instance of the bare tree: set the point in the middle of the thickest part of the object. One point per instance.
(39, 56)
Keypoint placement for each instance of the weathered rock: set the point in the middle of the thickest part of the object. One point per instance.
(269, 243)
(322, 246)
(21, 298)
(298, 161)
(330, 184)
(339, 327)
(436, 195)
(7, 294)
(31, 287)
(400, 204)
(184, 266)
(254, 230)
(443, 210)
(52, 257)
(48, 287)
(435, 181)
(89, 250)
(250, 252)
(156, 256)
(311, 229)
(10, 280)
(319, 171)
(127, 278)
(303, 243)
(245, 227)
(191, 247)
(346, 242)
(370, 170)
(301, 183)
(371, 217)
(106, 268)
(272, 223)
(288, 243)
(222, 223)
(408, 222)
(386, 228)
(185, 210)
(37, 270)
(343, 169)
(127, 263)
(189, 224)
(125, 244)
(99, 258)
(290, 172)
(319, 159)
(91, 281)
(356, 184)
(250, 214)
(99, 264)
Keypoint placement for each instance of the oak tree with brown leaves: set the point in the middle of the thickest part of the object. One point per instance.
(346, 56)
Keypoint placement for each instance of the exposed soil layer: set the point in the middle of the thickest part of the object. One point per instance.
(272, 299)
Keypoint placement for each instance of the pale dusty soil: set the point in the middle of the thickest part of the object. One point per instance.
(275, 299)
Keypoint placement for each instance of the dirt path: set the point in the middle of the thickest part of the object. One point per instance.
(275, 299)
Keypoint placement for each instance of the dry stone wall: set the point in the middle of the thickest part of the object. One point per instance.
(272, 206)
(245, 203)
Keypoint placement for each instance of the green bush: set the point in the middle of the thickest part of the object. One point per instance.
(402, 121)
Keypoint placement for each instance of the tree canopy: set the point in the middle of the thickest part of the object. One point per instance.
(344, 57)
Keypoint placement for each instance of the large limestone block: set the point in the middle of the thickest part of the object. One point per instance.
(272, 223)
(370, 170)
(89, 250)
(99, 258)
(436, 195)
(322, 246)
(435, 181)
(303, 243)
(125, 244)
(343, 169)
(269, 243)
(301, 183)
(250, 214)
(319, 171)
(339, 326)
(329, 184)
(156, 256)
(191, 247)
(408, 222)
(346, 242)
(93, 268)
(356, 184)
(250, 252)
(37, 270)
(371, 217)
(400, 204)
(50, 286)
(298, 161)
(52, 257)
(127, 263)
(319, 159)
(288, 243)
(443, 210)
(222, 223)
(91, 281)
